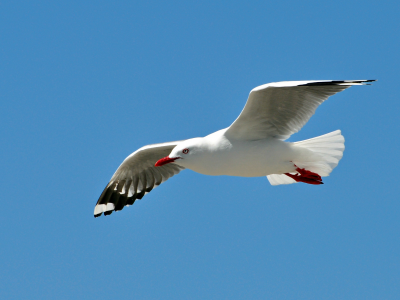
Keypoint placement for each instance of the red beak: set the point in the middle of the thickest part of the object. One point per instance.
(165, 160)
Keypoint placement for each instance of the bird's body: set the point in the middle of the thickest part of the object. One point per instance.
(253, 146)
(218, 154)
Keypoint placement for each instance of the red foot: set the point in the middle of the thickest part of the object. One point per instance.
(306, 176)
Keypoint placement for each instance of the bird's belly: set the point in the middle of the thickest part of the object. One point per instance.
(250, 160)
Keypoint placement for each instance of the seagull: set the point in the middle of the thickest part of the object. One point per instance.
(253, 146)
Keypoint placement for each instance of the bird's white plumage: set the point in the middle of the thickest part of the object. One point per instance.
(252, 146)
(325, 152)
(280, 109)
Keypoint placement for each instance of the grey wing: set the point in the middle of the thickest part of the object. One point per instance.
(280, 109)
(135, 177)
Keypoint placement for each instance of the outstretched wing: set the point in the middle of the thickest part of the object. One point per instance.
(280, 109)
(135, 177)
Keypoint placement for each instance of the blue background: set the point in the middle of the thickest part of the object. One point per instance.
(85, 83)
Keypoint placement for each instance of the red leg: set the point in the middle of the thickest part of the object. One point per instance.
(305, 176)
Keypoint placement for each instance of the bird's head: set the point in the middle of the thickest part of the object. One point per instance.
(183, 154)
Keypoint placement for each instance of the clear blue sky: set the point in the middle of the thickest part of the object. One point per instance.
(85, 83)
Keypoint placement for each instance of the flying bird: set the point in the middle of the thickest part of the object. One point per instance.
(254, 145)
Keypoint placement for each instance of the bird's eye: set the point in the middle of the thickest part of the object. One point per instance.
(185, 151)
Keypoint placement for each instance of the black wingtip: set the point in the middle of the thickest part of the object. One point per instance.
(339, 82)
(98, 215)
(370, 80)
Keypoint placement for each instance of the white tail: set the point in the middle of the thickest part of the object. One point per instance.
(327, 151)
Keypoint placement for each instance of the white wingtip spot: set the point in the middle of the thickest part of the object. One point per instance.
(110, 206)
(131, 191)
(99, 208)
